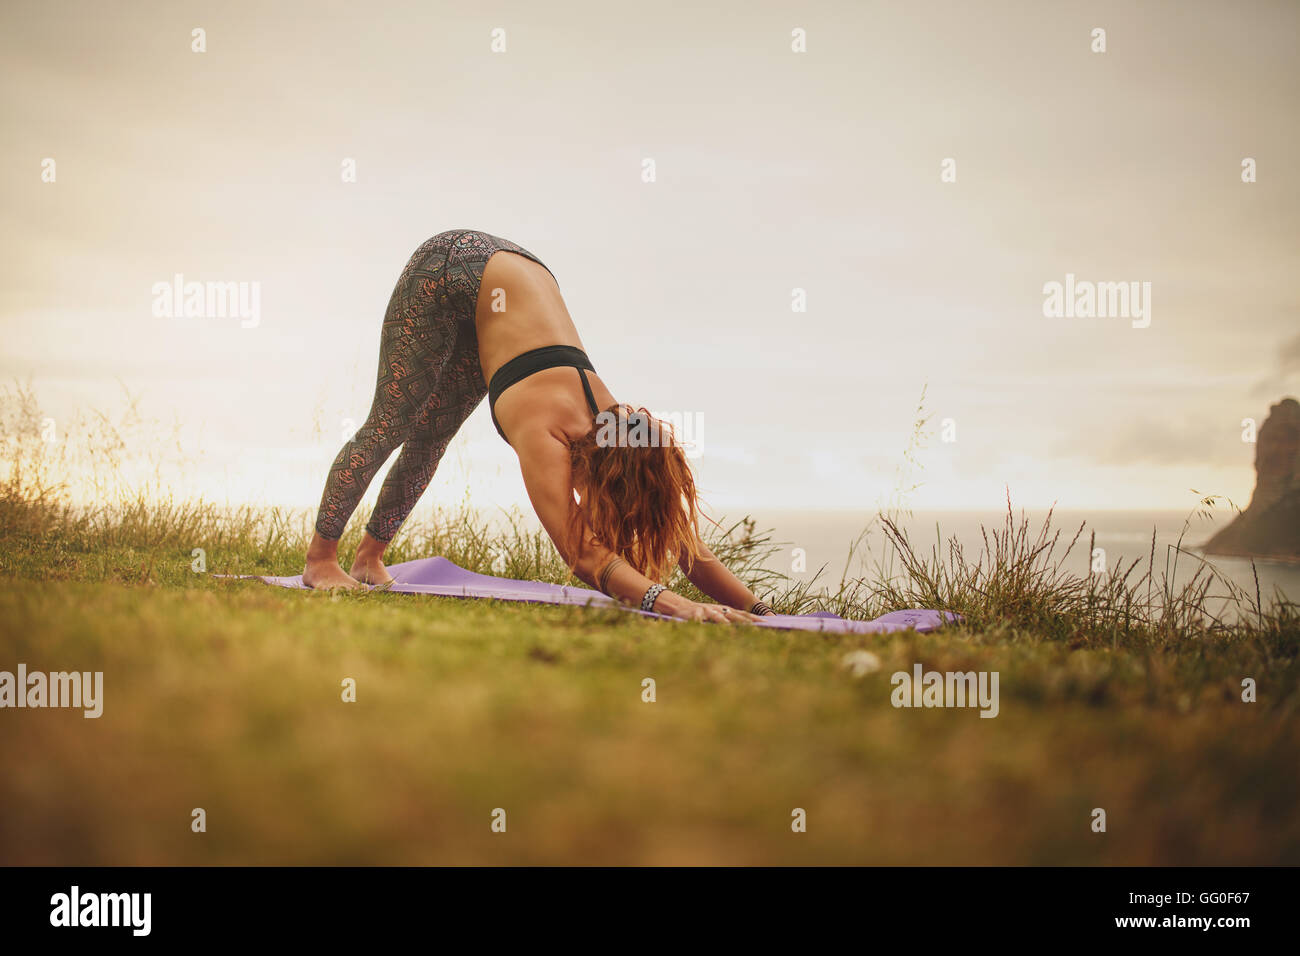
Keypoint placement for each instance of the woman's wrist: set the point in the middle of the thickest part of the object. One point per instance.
(669, 602)
(651, 596)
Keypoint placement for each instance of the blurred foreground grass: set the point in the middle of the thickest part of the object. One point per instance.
(226, 695)
(1117, 691)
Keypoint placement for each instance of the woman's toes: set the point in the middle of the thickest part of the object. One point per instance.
(375, 575)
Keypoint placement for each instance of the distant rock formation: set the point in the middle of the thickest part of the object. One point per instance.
(1270, 527)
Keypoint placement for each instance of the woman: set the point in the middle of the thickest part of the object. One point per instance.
(443, 348)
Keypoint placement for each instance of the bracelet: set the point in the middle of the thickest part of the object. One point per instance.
(651, 595)
(603, 581)
(761, 608)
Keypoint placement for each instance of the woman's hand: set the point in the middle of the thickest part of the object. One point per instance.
(685, 609)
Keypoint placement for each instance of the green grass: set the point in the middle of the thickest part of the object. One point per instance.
(226, 695)
(1118, 690)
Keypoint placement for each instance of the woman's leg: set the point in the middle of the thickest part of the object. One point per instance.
(417, 339)
(354, 468)
(459, 390)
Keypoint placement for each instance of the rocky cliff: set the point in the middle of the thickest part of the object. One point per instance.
(1270, 526)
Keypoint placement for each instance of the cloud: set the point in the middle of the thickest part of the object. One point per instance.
(1287, 374)
(1289, 357)
(1152, 442)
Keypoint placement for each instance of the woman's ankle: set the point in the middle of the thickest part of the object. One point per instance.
(323, 549)
(371, 550)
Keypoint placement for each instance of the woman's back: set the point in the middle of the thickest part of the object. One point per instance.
(519, 309)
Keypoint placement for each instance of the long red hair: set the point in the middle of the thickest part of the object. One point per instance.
(637, 492)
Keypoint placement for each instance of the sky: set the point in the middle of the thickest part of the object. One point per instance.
(774, 171)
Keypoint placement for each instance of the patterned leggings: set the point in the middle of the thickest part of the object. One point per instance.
(429, 381)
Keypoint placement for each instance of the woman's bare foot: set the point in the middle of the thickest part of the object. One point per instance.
(327, 574)
(369, 564)
(371, 572)
(322, 570)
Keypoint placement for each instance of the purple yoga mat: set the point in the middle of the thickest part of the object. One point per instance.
(439, 576)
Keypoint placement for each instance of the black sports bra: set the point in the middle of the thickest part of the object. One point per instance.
(535, 360)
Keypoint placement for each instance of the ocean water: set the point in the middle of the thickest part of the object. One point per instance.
(826, 538)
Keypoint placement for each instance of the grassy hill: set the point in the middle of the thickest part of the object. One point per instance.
(227, 696)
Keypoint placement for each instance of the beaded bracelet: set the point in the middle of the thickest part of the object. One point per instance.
(761, 608)
(651, 595)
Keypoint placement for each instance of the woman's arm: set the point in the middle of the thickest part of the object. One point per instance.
(544, 461)
(716, 580)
